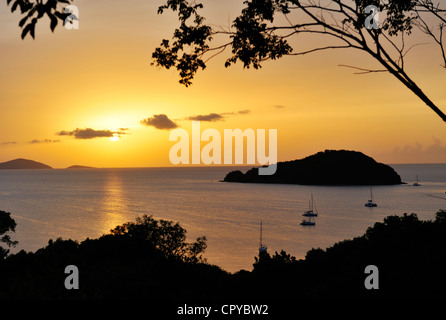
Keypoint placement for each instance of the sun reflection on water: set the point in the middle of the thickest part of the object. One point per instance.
(114, 204)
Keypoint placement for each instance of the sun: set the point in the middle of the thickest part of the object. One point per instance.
(115, 137)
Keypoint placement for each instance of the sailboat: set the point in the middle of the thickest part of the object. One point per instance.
(308, 222)
(262, 247)
(370, 202)
(417, 184)
(312, 211)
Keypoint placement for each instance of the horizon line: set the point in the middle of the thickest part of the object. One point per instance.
(200, 166)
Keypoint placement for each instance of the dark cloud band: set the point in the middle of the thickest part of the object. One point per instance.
(211, 117)
(36, 141)
(89, 133)
(160, 121)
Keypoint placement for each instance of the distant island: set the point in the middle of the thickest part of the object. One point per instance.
(80, 167)
(23, 164)
(330, 167)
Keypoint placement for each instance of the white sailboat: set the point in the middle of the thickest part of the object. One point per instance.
(371, 203)
(262, 247)
(312, 211)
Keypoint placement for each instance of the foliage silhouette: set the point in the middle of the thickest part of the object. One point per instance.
(408, 252)
(146, 259)
(35, 10)
(166, 236)
(255, 36)
(133, 263)
(7, 224)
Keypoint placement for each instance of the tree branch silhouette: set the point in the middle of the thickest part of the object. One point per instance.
(35, 10)
(255, 38)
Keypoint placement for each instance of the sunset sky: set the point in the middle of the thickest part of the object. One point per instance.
(99, 77)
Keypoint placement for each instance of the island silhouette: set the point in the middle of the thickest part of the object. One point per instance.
(80, 167)
(31, 164)
(23, 164)
(330, 167)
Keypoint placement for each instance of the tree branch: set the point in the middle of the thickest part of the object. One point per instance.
(363, 71)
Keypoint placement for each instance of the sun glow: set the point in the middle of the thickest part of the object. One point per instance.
(115, 137)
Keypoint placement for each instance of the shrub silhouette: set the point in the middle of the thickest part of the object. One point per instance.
(166, 236)
(150, 259)
(408, 252)
(146, 259)
(7, 224)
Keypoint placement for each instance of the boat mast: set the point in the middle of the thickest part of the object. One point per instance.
(262, 248)
(260, 234)
(313, 205)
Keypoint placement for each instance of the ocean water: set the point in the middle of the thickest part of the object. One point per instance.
(76, 204)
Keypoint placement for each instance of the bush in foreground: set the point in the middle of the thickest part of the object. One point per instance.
(150, 259)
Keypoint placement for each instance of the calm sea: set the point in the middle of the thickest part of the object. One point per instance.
(76, 204)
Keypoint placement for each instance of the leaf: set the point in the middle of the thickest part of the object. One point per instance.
(31, 12)
(51, 4)
(53, 22)
(26, 30)
(40, 12)
(60, 15)
(14, 5)
(22, 22)
(32, 29)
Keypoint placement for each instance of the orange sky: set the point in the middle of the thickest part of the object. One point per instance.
(100, 77)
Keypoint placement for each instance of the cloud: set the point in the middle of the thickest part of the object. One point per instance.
(159, 121)
(211, 117)
(162, 121)
(434, 152)
(89, 133)
(278, 107)
(35, 141)
(8, 142)
(246, 111)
